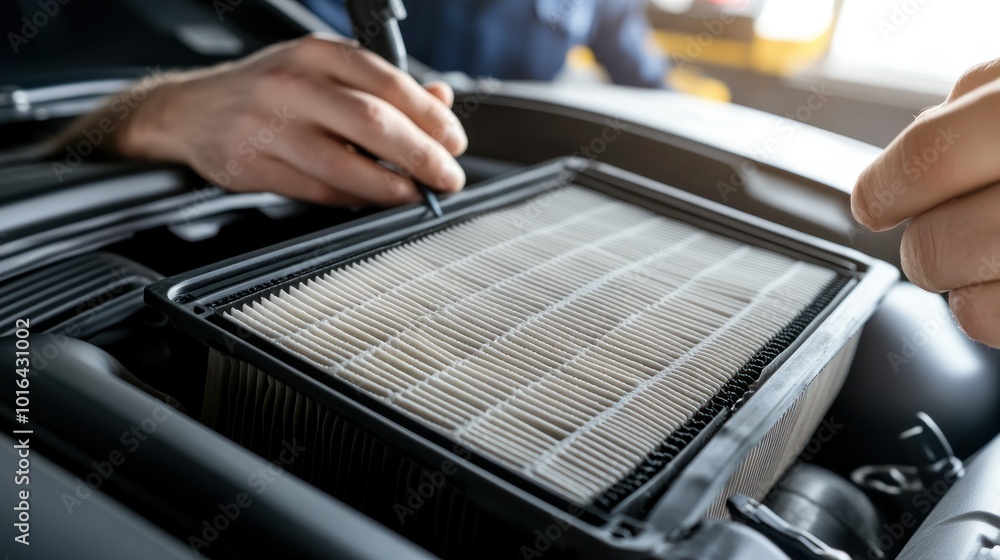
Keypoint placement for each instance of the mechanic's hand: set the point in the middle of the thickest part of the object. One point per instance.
(287, 119)
(944, 172)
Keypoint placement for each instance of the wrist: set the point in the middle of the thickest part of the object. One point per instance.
(144, 129)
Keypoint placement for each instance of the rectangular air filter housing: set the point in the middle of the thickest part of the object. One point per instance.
(580, 335)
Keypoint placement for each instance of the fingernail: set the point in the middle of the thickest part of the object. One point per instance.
(857, 212)
(859, 209)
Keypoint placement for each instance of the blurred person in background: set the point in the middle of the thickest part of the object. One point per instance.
(523, 39)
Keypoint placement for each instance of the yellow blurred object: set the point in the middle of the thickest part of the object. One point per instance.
(683, 49)
(686, 80)
(581, 57)
(785, 58)
(688, 51)
(690, 81)
(767, 56)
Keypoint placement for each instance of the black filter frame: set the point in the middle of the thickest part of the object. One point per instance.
(670, 503)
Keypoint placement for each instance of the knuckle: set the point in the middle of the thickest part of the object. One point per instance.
(920, 253)
(272, 80)
(976, 75)
(443, 119)
(309, 46)
(374, 116)
(394, 82)
(968, 77)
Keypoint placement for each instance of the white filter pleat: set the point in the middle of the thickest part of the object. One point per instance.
(566, 337)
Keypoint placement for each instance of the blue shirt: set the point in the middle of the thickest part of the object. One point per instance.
(522, 39)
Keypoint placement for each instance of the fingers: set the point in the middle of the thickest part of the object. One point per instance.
(287, 115)
(333, 164)
(954, 245)
(382, 129)
(941, 156)
(976, 309)
(442, 91)
(971, 80)
(974, 78)
(267, 174)
(359, 68)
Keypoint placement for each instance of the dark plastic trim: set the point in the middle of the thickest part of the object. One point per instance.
(177, 471)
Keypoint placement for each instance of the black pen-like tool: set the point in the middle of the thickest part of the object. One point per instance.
(376, 23)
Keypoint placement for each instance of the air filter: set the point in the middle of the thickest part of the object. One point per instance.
(572, 339)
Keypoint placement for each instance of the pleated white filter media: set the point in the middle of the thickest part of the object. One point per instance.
(566, 337)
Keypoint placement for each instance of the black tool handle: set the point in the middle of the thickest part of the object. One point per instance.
(376, 27)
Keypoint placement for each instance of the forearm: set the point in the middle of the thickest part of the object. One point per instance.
(132, 124)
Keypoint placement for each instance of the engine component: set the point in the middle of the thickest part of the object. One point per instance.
(798, 543)
(77, 296)
(828, 506)
(912, 349)
(965, 524)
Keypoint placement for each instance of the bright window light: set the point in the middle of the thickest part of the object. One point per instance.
(794, 20)
(932, 38)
